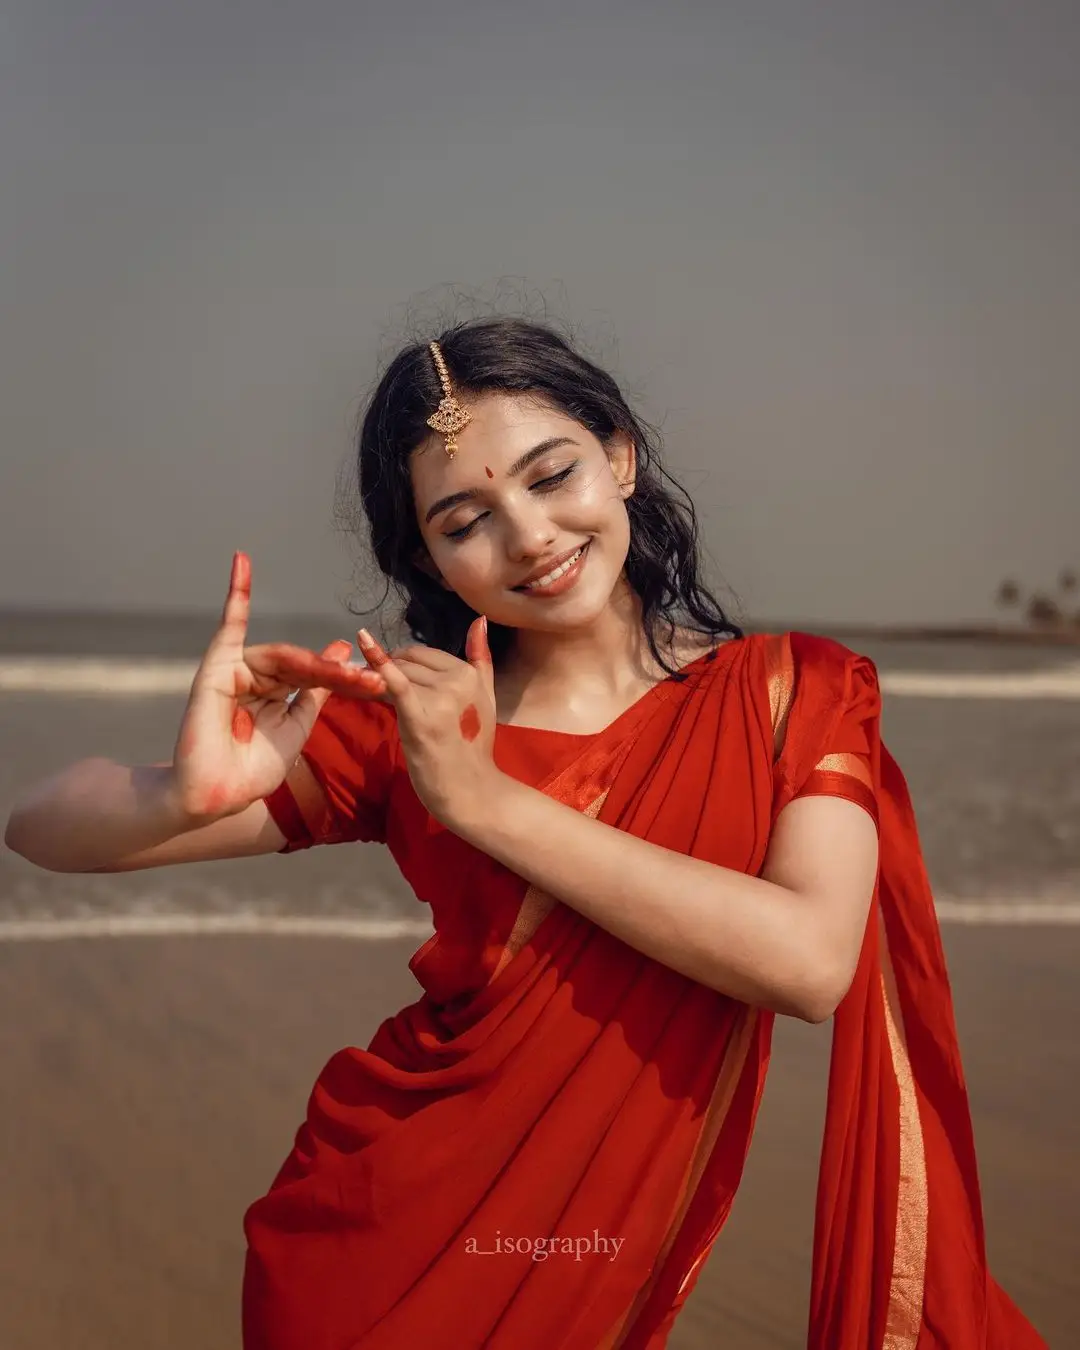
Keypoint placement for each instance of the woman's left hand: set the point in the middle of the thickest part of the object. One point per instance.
(446, 719)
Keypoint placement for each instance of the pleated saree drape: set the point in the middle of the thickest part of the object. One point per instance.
(587, 1093)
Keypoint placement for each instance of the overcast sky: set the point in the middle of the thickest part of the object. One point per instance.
(832, 248)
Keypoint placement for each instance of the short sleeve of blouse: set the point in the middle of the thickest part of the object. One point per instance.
(845, 769)
(351, 753)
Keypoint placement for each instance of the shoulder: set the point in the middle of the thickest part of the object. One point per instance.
(812, 656)
(815, 673)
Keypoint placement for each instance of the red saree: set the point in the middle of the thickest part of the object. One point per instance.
(554, 1091)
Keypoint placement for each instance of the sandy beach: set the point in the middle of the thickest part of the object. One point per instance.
(153, 1084)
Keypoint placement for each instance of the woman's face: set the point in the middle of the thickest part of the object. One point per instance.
(527, 486)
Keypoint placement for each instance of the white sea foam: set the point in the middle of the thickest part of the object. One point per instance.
(972, 913)
(109, 676)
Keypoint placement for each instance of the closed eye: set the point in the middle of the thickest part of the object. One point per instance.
(542, 485)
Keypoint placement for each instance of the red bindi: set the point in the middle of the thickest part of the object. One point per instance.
(470, 723)
(488, 472)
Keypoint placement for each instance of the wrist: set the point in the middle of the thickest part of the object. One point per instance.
(477, 808)
(174, 805)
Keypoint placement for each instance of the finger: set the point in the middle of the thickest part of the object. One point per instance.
(283, 663)
(397, 682)
(360, 680)
(434, 658)
(237, 610)
(308, 703)
(374, 653)
(478, 654)
(315, 698)
(212, 704)
(421, 676)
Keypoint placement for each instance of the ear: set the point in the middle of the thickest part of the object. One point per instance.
(422, 559)
(623, 459)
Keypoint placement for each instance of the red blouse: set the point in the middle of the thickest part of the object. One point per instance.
(355, 755)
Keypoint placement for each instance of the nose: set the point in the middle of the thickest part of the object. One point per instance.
(529, 531)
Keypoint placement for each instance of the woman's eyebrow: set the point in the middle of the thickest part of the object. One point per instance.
(522, 462)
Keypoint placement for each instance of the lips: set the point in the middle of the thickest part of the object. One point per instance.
(539, 572)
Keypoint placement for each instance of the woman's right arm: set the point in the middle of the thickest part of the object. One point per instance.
(241, 727)
(100, 816)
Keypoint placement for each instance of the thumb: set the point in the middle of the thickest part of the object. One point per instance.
(478, 654)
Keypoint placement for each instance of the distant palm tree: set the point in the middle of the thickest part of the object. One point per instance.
(1008, 594)
(1041, 609)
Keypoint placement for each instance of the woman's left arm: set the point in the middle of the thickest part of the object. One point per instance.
(788, 940)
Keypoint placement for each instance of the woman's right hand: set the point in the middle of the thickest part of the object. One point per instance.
(239, 735)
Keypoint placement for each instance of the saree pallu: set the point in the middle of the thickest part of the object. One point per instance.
(596, 1107)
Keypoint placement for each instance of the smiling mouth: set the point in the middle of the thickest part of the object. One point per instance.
(541, 583)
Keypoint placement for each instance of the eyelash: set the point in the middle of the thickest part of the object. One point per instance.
(555, 480)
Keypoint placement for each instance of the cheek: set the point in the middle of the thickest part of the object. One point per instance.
(469, 568)
(592, 499)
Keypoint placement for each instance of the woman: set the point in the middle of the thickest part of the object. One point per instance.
(640, 842)
(591, 1069)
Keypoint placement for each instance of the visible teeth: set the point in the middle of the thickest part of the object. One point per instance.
(543, 581)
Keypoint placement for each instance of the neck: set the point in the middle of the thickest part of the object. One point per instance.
(610, 656)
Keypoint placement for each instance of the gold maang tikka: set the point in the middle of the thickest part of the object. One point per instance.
(449, 418)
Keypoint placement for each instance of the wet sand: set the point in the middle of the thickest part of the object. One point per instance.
(153, 1086)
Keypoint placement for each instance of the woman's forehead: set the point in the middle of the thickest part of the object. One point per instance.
(501, 414)
(501, 427)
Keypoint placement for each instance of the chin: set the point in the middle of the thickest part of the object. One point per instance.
(580, 611)
(583, 606)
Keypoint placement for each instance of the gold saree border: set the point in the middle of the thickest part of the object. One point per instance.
(780, 680)
(845, 761)
(535, 906)
(780, 675)
(904, 1314)
(907, 1282)
(713, 1120)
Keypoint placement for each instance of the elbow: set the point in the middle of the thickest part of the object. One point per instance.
(11, 835)
(21, 842)
(823, 994)
(816, 1010)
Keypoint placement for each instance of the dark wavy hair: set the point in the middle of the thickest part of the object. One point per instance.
(519, 356)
